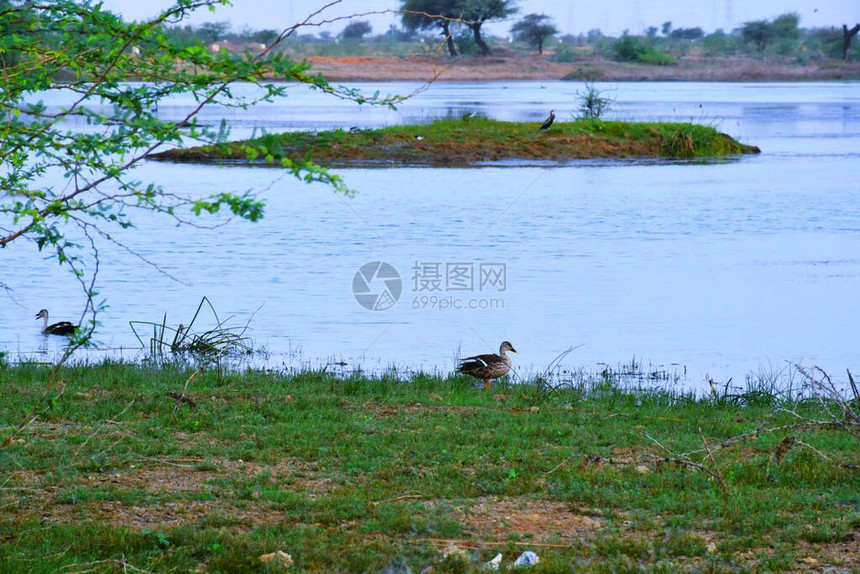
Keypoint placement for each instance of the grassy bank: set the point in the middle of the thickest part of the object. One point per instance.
(103, 470)
(465, 142)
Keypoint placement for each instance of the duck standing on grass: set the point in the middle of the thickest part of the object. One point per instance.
(61, 328)
(489, 366)
(547, 122)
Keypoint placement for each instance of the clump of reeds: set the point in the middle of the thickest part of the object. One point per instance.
(680, 143)
(213, 342)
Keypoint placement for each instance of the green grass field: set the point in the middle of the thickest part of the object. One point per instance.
(457, 142)
(103, 471)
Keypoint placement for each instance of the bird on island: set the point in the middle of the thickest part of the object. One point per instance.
(469, 115)
(489, 366)
(61, 328)
(548, 122)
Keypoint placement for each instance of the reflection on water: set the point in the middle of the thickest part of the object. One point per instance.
(713, 269)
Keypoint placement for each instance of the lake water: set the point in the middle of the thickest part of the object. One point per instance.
(709, 270)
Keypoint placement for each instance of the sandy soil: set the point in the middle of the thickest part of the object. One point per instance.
(518, 67)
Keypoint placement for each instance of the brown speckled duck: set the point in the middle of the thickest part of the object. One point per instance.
(489, 366)
(61, 328)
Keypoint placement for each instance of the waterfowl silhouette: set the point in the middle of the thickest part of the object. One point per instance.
(61, 328)
(548, 122)
(489, 366)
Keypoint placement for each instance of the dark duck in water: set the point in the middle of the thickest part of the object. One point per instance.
(61, 328)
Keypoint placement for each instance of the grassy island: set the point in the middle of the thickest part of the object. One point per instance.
(117, 467)
(468, 142)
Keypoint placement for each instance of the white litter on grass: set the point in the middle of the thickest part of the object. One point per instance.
(494, 563)
(527, 558)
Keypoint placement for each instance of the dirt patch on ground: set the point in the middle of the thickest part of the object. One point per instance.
(396, 410)
(540, 521)
(816, 558)
(185, 513)
(594, 68)
(199, 476)
(42, 495)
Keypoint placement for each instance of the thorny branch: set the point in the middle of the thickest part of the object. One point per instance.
(683, 460)
(841, 415)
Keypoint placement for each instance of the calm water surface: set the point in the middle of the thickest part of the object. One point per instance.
(713, 270)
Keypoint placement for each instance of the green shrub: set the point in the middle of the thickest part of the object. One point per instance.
(628, 48)
(592, 103)
(563, 54)
(657, 58)
(634, 49)
(719, 44)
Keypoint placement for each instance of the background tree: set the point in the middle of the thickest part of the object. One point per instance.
(65, 189)
(718, 43)
(534, 29)
(477, 12)
(213, 31)
(396, 34)
(786, 26)
(356, 31)
(264, 36)
(847, 36)
(687, 33)
(429, 14)
(757, 32)
(785, 32)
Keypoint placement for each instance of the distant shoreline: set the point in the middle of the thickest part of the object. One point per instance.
(598, 69)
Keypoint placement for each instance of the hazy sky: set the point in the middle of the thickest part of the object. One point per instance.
(574, 16)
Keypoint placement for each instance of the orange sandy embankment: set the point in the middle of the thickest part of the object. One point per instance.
(519, 67)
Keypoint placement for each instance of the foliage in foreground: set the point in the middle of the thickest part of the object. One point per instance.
(73, 128)
(105, 469)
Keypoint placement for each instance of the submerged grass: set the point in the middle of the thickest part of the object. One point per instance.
(366, 474)
(206, 343)
(457, 142)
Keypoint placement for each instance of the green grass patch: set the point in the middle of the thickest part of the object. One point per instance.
(103, 470)
(473, 141)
